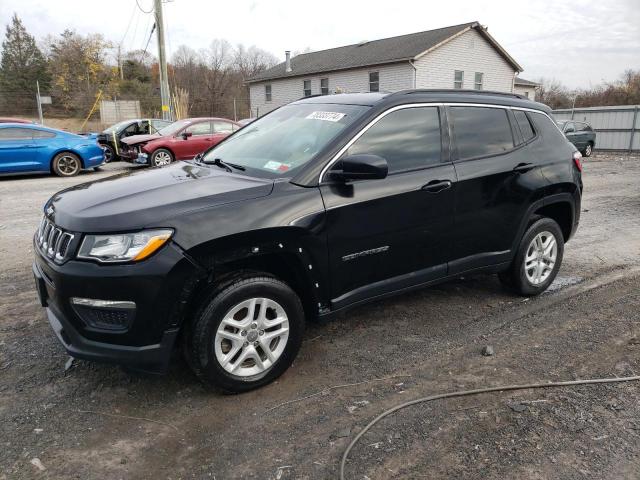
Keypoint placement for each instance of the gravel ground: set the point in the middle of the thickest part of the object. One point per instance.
(80, 423)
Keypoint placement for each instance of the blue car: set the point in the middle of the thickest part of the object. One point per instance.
(26, 148)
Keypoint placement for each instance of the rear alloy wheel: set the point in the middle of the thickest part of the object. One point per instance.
(588, 150)
(109, 154)
(246, 335)
(537, 260)
(66, 164)
(161, 158)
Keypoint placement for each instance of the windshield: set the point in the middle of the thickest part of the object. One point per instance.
(286, 138)
(117, 127)
(174, 128)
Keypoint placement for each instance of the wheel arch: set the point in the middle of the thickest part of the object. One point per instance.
(287, 253)
(562, 212)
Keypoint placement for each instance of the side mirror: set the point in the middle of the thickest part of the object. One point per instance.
(186, 135)
(363, 167)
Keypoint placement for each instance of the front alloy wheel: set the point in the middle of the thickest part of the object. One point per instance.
(252, 336)
(246, 333)
(161, 158)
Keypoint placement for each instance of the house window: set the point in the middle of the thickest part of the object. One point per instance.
(374, 81)
(324, 86)
(306, 88)
(478, 81)
(458, 79)
(267, 93)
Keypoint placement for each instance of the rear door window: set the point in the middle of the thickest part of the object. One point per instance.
(222, 127)
(201, 128)
(407, 139)
(481, 131)
(43, 134)
(524, 124)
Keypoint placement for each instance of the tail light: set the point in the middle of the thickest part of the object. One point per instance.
(577, 160)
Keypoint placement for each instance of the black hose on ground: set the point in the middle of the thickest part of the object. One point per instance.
(464, 393)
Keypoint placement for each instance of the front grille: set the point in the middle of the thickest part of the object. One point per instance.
(53, 241)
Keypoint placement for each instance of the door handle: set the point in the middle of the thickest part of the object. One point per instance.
(523, 167)
(436, 186)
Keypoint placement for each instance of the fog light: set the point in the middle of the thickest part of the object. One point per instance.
(111, 315)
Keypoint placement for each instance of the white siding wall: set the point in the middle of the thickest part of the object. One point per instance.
(393, 78)
(523, 90)
(471, 53)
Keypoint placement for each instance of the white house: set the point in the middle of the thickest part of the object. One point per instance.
(461, 56)
(525, 87)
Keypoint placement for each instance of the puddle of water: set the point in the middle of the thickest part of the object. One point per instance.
(562, 282)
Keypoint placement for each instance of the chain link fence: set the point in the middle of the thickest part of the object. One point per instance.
(81, 113)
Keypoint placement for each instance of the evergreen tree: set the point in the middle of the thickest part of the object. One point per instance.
(22, 63)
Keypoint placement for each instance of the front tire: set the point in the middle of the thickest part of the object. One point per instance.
(160, 158)
(537, 260)
(246, 334)
(109, 154)
(66, 164)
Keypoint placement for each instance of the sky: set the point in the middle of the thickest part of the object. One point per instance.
(581, 43)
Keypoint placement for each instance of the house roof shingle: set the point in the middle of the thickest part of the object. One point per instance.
(524, 82)
(375, 52)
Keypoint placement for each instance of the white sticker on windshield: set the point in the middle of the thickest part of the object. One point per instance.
(327, 116)
(276, 166)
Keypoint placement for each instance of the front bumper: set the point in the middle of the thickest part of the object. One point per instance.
(156, 286)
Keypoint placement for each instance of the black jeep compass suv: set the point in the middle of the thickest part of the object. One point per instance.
(320, 205)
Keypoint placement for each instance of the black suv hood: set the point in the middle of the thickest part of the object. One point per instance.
(147, 198)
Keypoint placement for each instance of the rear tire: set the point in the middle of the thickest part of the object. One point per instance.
(161, 158)
(245, 334)
(537, 259)
(66, 164)
(588, 150)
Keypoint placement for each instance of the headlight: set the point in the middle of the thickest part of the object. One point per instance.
(123, 247)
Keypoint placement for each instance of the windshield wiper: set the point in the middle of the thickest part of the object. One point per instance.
(227, 166)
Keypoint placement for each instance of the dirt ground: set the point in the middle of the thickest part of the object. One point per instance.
(80, 423)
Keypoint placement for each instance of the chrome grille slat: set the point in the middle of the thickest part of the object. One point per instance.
(53, 241)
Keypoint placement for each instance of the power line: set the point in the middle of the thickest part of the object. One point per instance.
(142, 9)
(133, 12)
(144, 52)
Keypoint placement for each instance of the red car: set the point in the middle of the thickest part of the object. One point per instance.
(182, 140)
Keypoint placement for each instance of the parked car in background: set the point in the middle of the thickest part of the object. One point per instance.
(14, 120)
(182, 140)
(580, 134)
(319, 206)
(29, 148)
(111, 137)
(246, 121)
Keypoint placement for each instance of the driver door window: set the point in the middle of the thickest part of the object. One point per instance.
(408, 139)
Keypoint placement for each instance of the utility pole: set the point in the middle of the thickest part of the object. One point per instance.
(164, 79)
(39, 103)
(120, 64)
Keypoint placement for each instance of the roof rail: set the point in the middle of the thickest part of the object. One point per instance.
(459, 90)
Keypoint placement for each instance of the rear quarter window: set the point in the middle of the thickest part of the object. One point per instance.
(551, 135)
(524, 124)
(481, 131)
